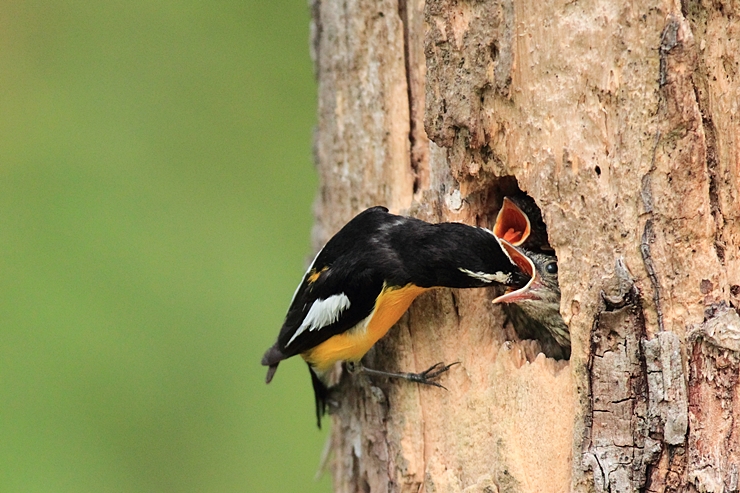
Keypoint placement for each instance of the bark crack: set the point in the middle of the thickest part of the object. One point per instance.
(648, 237)
(668, 41)
(712, 165)
(403, 14)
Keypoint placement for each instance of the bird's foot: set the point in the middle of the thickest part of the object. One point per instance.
(425, 377)
(428, 376)
(353, 368)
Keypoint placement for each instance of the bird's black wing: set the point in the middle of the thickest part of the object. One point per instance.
(330, 300)
(338, 291)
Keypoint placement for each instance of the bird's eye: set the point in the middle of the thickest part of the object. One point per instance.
(552, 268)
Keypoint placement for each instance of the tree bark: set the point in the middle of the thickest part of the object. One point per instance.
(621, 121)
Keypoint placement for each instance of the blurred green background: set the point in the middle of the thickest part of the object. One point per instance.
(155, 210)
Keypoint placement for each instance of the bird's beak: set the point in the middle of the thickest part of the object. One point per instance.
(529, 290)
(512, 224)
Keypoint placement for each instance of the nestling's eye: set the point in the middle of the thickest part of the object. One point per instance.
(552, 268)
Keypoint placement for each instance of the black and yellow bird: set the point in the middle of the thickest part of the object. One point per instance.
(365, 278)
(534, 310)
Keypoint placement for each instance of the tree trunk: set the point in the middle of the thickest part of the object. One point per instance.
(620, 120)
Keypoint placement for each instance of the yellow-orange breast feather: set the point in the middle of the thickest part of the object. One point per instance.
(354, 343)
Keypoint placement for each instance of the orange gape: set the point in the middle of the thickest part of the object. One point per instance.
(512, 224)
(353, 344)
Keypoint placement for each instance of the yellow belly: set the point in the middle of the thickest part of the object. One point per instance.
(354, 343)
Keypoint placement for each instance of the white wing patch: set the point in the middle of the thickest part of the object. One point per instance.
(322, 313)
(499, 277)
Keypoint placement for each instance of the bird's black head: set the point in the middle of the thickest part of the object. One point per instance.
(452, 255)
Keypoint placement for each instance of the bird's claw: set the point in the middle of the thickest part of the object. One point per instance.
(427, 376)
(353, 368)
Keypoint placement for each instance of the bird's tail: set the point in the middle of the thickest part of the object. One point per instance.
(321, 394)
(272, 358)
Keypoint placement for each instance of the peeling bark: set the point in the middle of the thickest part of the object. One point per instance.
(621, 121)
(619, 447)
(714, 404)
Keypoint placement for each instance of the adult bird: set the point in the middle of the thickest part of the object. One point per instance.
(365, 278)
(534, 310)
